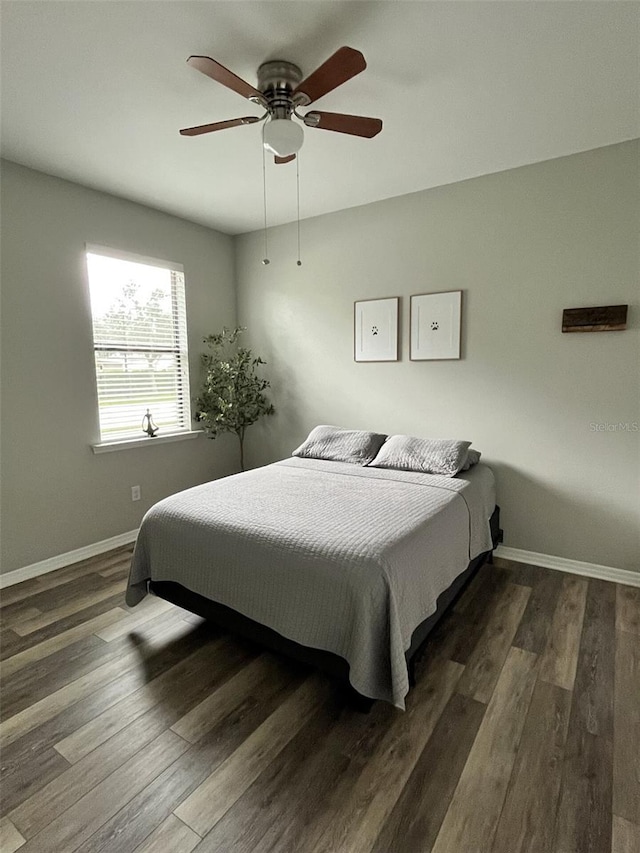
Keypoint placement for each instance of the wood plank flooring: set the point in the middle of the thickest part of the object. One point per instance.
(146, 730)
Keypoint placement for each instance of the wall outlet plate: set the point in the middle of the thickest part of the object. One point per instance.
(135, 493)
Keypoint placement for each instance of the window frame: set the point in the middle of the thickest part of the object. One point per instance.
(179, 349)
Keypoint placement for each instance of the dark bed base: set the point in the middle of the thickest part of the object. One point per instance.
(329, 662)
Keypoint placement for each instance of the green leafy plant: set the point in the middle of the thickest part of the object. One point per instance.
(232, 396)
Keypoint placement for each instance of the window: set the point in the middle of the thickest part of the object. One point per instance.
(140, 343)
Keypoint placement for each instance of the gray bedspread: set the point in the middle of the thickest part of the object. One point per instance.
(329, 554)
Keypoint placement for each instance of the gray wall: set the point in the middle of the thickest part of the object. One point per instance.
(56, 494)
(522, 245)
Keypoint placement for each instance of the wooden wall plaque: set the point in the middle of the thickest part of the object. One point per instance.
(606, 318)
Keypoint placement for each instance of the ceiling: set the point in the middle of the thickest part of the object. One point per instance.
(96, 90)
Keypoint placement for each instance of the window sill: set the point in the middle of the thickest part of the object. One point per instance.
(131, 443)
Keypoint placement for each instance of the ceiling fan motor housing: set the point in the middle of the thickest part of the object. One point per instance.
(277, 81)
(278, 75)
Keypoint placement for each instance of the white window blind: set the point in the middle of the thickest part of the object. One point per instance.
(140, 343)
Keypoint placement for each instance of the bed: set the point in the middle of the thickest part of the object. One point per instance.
(347, 567)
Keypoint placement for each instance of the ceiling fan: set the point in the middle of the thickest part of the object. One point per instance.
(282, 91)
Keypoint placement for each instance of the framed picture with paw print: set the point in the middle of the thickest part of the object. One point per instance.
(376, 329)
(435, 325)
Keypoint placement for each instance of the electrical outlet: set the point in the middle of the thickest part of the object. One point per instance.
(135, 493)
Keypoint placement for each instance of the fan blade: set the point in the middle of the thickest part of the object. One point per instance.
(218, 125)
(342, 66)
(288, 159)
(222, 75)
(342, 123)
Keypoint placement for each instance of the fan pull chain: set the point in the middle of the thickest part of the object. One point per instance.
(299, 262)
(265, 260)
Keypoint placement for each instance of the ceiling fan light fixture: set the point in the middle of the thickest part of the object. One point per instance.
(283, 137)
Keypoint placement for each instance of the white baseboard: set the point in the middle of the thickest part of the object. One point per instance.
(576, 567)
(62, 560)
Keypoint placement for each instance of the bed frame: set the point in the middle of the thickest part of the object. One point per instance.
(329, 662)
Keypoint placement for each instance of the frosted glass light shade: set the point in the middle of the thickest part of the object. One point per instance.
(283, 137)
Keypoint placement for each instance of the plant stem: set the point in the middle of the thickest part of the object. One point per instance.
(241, 440)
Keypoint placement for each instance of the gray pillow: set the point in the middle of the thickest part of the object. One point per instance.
(473, 457)
(340, 445)
(426, 455)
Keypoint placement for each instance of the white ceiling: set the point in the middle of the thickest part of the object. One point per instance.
(95, 91)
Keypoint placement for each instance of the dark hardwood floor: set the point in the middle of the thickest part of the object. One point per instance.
(147, 730)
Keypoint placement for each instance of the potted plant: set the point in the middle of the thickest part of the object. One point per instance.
(232, 396)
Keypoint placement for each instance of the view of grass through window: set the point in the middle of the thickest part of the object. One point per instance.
(140, 343)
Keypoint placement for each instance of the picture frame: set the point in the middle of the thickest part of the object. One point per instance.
(436, 326)
(376, 329)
